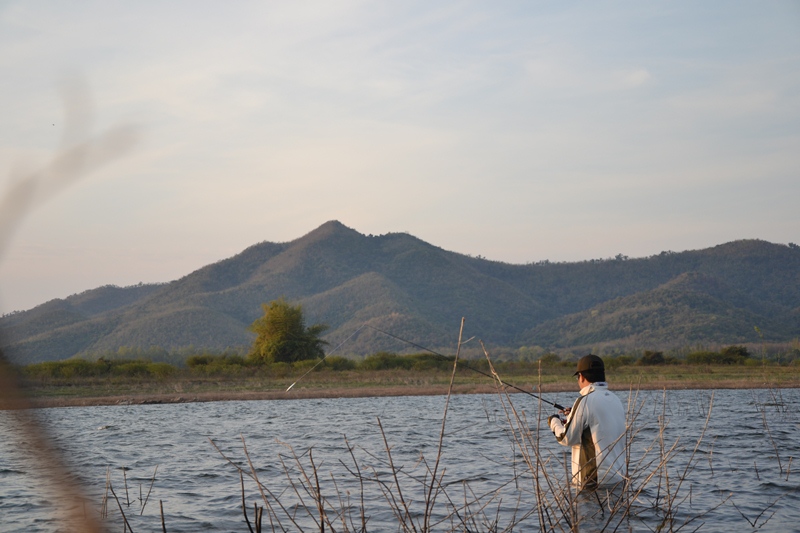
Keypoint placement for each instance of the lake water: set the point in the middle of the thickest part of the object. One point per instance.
(742, 477)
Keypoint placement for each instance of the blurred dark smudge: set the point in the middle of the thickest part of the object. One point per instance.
(79, 155)
(75, 159)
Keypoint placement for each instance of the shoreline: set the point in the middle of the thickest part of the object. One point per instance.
(305, 393)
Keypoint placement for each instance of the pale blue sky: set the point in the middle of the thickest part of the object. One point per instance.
(518, 131)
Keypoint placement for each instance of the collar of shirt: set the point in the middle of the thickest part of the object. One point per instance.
(591, 386)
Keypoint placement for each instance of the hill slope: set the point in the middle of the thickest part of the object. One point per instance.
(420, 292)
(695, 308)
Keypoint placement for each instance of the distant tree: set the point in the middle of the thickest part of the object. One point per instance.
(282, 337)
(652, 358)
(735, 351)
(734, 354)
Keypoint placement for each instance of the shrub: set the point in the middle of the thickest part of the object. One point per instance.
(650, 358)
(732, 355)
(46, 370)
(385, 361)
(735, 353)
(198, 360)
(70, 369)
(161, 370)
(211, 364)
(338, 363)
(132, 368)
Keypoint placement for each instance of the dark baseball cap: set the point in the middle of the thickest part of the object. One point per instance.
(588, 363)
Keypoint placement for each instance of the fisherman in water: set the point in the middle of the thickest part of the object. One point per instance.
(594, 427)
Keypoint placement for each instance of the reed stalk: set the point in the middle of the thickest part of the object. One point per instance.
(357, 475)
(430, 501)
(147, 498)
(163, 522)
(127, 526)
(244, 504)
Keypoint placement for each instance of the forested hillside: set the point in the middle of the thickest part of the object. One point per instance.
(418, 291)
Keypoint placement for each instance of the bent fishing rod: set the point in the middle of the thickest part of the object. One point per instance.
(323, 358)
(479, 371)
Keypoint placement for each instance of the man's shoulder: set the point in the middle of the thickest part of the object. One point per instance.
(598, 393)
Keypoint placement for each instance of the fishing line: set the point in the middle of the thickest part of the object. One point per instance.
(461, 363)
(324, 356)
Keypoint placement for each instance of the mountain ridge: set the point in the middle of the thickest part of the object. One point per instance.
(419, 291)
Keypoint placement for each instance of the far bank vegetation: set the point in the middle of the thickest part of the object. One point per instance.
(118, 367)
(285, 348)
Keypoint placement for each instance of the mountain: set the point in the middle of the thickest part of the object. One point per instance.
(418, 291)
(693, 307)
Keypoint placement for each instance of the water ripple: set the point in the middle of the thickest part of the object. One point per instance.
(742, 476)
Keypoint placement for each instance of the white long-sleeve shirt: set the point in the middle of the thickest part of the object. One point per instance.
(595, 428)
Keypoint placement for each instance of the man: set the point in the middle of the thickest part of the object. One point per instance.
(594, 427)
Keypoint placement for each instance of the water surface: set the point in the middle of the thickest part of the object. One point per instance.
(739, 478)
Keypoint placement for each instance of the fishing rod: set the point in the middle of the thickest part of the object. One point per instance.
(324, 356)
(479, 371)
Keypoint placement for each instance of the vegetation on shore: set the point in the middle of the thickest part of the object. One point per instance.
(231, 373)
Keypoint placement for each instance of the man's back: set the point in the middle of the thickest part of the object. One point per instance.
(595, 428)
(605, 419)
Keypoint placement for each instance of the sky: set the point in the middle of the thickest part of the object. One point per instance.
(518, 131)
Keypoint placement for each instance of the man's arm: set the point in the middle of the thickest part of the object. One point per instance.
(569, 433)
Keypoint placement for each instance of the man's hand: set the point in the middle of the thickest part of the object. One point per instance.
(555, 423)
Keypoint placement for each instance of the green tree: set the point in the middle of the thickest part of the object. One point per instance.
(282, 336)
(652, 358)
(735, 352)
